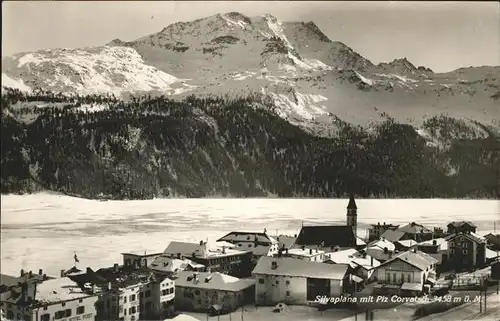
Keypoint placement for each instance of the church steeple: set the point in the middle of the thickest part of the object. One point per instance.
(352, 214)
(352, 203)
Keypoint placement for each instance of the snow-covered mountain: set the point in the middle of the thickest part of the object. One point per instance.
(308, 76)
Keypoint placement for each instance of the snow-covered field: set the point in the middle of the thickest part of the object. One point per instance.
(43, 230)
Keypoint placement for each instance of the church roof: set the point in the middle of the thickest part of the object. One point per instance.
(352, 203)
(327, 236)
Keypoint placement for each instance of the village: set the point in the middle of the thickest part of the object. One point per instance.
(324, 269)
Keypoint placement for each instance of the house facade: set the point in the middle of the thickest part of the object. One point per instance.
(362, 264)
(53, 299)
(466, 251)
(297, 282)
(407, 272)
(305, 254)
(461, 227)
(417, 232)
(260, 244)
(224, 260)
(199, 291)
(376, 230)
(438, 249)
(139, 259)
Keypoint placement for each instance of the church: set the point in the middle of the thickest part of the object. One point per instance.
(330, 238)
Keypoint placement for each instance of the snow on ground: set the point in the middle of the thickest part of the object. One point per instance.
(43, 230)
(306, 106)
(15, 84)
(252, 313)
(100, 70)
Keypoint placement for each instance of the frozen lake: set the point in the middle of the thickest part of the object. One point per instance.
(42, 231)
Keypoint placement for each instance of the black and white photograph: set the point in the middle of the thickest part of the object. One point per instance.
(250, 160)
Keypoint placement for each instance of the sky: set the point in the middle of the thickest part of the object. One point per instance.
(440, 35)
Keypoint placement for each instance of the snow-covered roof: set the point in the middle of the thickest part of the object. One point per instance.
(300, 268)
(407, 243)
(236, 237)
(167, 264)
(184, 317)
(359, 241)
(382, 243)
(305, 252)
(490, 254)
(57, 290)
(441, 242)
(211, 281)
(353, 258)
(418, 259)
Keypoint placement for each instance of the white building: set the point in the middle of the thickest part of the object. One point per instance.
(362, 264)
(261, 244)
(408, 271)
(297, 282)
(168, 266)
(198, 291)
(53, 299)
(305, 254)
(128, 293)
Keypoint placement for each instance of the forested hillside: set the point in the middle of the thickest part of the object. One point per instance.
(201, 147)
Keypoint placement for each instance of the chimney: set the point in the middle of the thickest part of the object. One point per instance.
(201, 242)
(115, 267)
(31, 274)
(22, 272)
(40, 272)
(386, 250)
(303, 247)
(223, 250)
(62, 273)
(371, 260)
(434, 242)
(310, 251)
(286, 251)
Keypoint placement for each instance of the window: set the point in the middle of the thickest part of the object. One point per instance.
(464, 244)
(287, 282)
(388, 277)
(59, 315)
(452, 244)
(464, 251)
(164, 292)
(277, 282)
(63, 304)
(80, 300)
(45, 308)
(131, 310)
(132, 298)
(10, 315)
(113, 309)
(452, 251)
(67, 313)
(124, 299)
(43, 317)
(197, 292)
(147, 294)
(171, 290)
(141, 295)
(409, 278)
(261, 281)
(80, 310)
